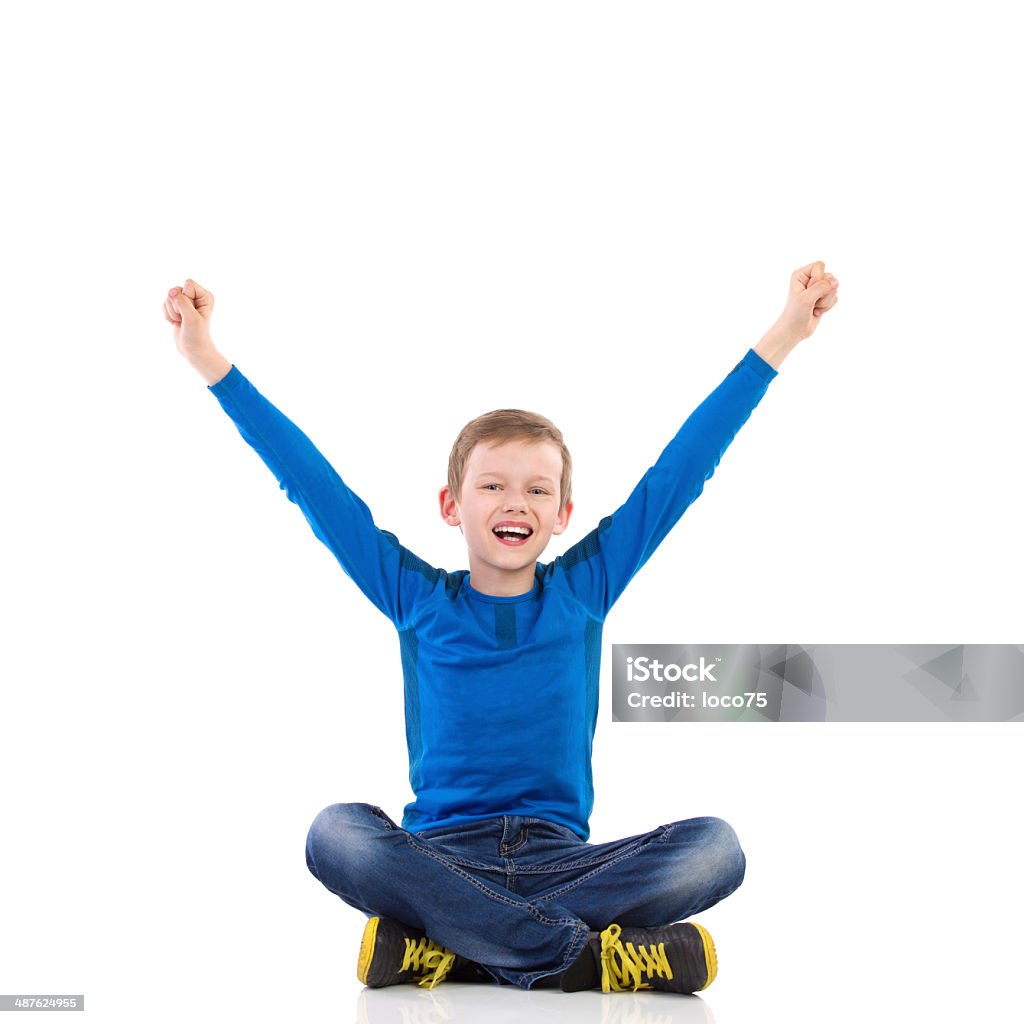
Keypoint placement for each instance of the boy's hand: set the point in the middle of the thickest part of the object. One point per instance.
(189, 309)
(812, 293)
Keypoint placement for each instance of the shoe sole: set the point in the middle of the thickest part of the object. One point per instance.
(710, 956)
(366, 948)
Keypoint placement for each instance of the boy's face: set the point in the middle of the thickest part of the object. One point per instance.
(511, 483)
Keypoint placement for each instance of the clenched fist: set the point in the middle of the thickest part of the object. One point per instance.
(189, 309)
(812, 293)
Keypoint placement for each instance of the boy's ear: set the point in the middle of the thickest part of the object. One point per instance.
(449, 508)
(562, 519)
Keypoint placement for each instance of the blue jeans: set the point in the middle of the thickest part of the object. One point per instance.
(520, 896)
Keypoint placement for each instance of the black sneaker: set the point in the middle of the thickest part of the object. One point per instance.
(677, 958)
(392, 953)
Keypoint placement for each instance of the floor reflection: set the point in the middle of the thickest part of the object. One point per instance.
(455, 1003)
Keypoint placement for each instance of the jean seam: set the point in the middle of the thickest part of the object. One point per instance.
(472, 864)
(509, 848)
(608, 860)
(378, 812)
(497, 897)
(570, 957)
(456, 858)
(555, 893)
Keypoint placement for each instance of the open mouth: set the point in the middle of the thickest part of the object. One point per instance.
(513, 536)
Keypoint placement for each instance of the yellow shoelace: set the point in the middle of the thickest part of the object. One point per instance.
(426, 955)
(633, 961)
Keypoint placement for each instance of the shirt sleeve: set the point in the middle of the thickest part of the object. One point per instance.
(390, 575)
(601, 565)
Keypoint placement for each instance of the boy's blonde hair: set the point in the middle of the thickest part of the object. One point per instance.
(500, 426)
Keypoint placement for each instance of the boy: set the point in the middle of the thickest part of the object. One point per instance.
(490, 875)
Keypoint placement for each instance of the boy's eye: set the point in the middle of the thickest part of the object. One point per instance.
(539, 490)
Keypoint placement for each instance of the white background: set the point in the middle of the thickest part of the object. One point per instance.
(410, 214)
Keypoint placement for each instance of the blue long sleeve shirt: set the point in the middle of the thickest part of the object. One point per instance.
(501, 693)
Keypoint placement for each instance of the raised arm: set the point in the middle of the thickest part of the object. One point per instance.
(625, 540)
(391, 576)
(601, 565)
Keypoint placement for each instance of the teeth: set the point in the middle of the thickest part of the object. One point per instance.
(513, 529)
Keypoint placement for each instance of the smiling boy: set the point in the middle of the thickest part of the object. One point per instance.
(500, 481)
(490, 875)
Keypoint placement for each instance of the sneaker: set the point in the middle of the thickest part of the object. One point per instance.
(392, 953)
(677, 958)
